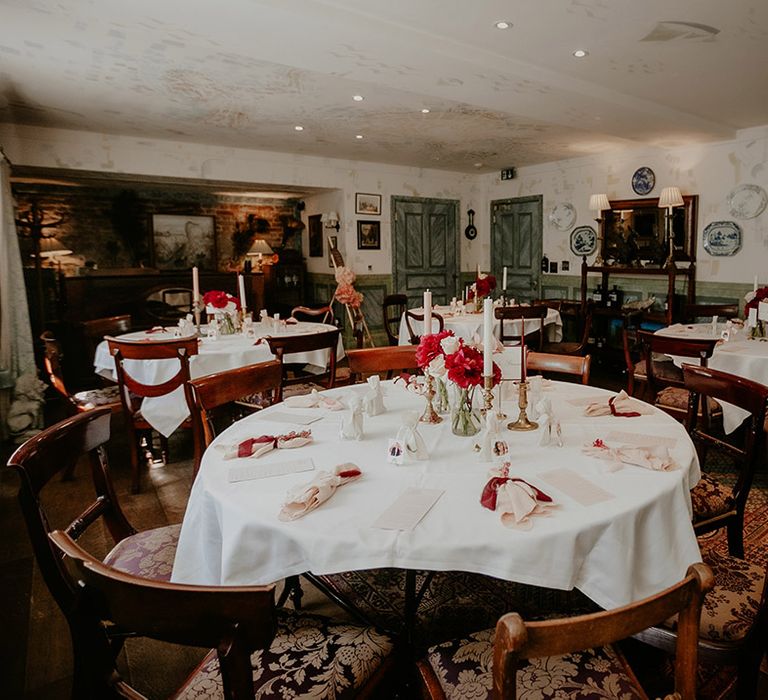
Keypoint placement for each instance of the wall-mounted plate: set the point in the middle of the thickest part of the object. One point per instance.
(643, 181)
(722, 238)
(563, 216)
(583, 240)
(747, 201)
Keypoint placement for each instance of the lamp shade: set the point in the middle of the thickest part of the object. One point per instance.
(51, 247)
(671, 197)
(260, 247)
(599, 202)
(331, 218)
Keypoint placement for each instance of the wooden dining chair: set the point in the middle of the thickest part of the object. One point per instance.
(133, 392)
(568, 657)
(548, 363)
(55, 451)
(516, 313)
(240, 390)
(320, 314)
(693, 312)
(367, 361)
(414, 316)
(92, 332)
(392, 308)
(283, 346)
(168, 304)
(572, 347)
(256, 650)
(82, 400)
(667, 390)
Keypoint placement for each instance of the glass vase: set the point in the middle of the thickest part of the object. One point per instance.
(758, 330)
(465, 420)
(225, 323)
(441, 404)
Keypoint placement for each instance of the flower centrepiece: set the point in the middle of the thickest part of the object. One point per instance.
(482, 287)
(221, 308)
(752, 300)
(345, 288)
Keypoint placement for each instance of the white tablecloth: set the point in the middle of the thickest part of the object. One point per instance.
(467, 325)
(167, 413)
(742, 357)
(615, 552)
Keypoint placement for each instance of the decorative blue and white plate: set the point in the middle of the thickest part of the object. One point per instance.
(722, 238)
(747, 201)
(643, 181)
(583, 240)
(563, 216)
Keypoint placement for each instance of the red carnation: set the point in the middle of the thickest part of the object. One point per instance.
(219, 300)
(465, 366)
(485, 285)
(429, 347)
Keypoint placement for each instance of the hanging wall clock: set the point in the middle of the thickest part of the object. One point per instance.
(471, 232)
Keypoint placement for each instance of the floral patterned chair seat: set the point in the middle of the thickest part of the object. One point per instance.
(148, 554)
(710, 498)
(108, 396)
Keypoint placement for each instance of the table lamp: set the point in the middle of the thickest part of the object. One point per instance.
(670, 198)
(259, 249)
(599, 203)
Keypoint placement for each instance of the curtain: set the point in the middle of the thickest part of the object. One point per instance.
(16, 348)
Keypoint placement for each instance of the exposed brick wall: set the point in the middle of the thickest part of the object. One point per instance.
(110, 223)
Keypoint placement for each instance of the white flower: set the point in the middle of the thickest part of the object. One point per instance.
(437, 366)
(449, 344)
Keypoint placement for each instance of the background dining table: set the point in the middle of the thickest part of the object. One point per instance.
(467, 325)
(616, 534)
(740, 355)
(166, 413)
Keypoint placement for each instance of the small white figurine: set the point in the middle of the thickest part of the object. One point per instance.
(373, 403)
(551, 433)
(352, 420)
(410, 438)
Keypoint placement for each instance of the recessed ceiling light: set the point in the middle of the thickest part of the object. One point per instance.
(358, 98)
(502, 24)
(358, 136)
(298, 128)
(425, 111)
(580, 53)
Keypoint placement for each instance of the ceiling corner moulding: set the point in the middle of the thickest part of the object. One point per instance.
(676, 31)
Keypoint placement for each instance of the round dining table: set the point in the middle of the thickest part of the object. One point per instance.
(166, 413)
(469, 325)
(618, 533)
(740, 355)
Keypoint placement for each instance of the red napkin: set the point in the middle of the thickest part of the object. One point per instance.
(491, 491)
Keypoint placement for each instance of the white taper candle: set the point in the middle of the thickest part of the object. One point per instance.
(195, 285)
(241, 291)
(427, 312)
(488, 337)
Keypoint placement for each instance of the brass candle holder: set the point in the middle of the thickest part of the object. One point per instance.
(487, 395)
(430, 415)
(522, 422)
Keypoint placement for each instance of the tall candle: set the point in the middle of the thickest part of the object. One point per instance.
(754, 284)
(523, 373)
(195, 285)
(488, 337)
(504, 279)
(241, 290)
(478, 270)
(466, 294)
(427, 312)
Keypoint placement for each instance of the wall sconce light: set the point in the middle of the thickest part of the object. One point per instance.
(259, 249)
(670, 198)
(599, 203)
(331, 220)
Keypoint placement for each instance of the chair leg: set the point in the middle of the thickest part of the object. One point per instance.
(293, 590)
(736, 538)
(165, 449)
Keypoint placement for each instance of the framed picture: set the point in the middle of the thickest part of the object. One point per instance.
(315, 236)
(369, 204)
(368, 235)
(332, 243)
(181, 241)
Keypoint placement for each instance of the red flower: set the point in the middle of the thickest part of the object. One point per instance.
(219, 300)
(429, 347)
(485, 285)
(465, 366)
(760, 295)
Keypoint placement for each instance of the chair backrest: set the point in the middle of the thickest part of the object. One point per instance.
(516, 313)
(413, 316)
(652, 343)
(321, 314)
(555, 304)
(234, 620)
(692, 312)
(52, 452)
(169, 304)
(215, 391)
(516, 639)
(284, 345)
(392, 308)
(744, 393)
(551, 363)
(95, 329)
(53, 367)
(390, 359)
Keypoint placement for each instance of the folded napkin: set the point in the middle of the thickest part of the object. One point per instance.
(306, 497)
(620, 405)
(489, 443)
(313, 400)
(551, 432)
(656, 458)
(155, 329)
(352, 420)
(516, 500)
(373, 402)
(255, 447)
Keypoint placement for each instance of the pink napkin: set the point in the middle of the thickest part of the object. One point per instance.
(620, 405)
(516, 499)
(303, 498)
(313, 400)
(255, 447)
(656, 458)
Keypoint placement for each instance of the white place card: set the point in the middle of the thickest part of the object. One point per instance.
(259, 470)
(408, 510)
(762, 311)
(640, 439)
(293, 418)
(576, 487)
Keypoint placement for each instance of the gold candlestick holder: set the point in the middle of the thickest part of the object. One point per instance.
(487, 395)
(430, 415)
(522, 422)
